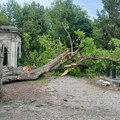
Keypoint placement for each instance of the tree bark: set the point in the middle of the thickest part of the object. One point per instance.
(70, 39)
(11, 74)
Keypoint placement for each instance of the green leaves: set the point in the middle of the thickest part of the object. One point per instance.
(73, 17)
(115, 42)
(89, 47)
(51, 49)
(80, 34)
(3, 17)
(108, 23)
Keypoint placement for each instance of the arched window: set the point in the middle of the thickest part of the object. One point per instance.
(5, 60)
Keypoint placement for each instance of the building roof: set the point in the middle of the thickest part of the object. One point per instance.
(9, 29)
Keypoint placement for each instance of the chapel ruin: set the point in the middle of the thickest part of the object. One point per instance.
(10, 38)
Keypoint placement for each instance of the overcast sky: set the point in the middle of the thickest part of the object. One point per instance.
(90, 5)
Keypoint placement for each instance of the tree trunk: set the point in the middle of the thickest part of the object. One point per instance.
(11, 74)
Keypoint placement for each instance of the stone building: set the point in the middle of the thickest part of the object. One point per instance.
(11, 40)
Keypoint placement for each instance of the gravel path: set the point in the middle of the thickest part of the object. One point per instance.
(63, 98)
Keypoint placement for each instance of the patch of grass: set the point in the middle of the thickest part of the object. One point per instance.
(41, 80)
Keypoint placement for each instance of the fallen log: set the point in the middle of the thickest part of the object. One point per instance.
(11, 74)
(17, 74)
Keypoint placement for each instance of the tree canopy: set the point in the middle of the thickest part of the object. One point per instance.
(108, 22)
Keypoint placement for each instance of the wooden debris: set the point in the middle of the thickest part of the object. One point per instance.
(27, 69)
(65, 73)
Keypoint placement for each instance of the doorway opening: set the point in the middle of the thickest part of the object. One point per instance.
(5, 60)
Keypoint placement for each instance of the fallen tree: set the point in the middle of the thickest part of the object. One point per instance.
(85, 51)
(11, 74)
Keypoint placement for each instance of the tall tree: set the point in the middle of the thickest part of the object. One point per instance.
(3, 17)
(32, 24)
(72, 16)
(31, 21)
(108, 22)
(13, 11)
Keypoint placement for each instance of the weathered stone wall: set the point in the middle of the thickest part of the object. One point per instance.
(12, 42)
(1, 65)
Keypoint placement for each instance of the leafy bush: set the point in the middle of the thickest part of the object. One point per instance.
(57, 72)
(49, 49)
(76, 72)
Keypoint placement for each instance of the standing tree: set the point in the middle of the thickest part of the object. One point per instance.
(72, 16)
(31, 21)
(108, 23)
(3, 17)
(13, 12)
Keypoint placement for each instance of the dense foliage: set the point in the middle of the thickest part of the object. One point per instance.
(44, 33)
(108, 23)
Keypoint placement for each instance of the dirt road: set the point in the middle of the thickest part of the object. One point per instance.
(63, 98)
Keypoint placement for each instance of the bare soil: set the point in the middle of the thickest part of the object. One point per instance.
(63, 98)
